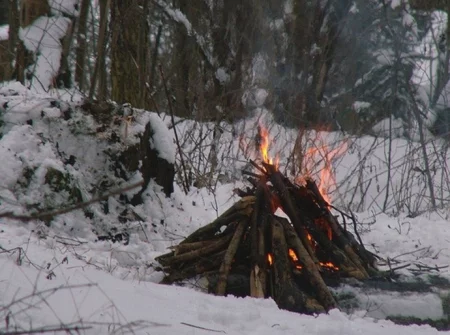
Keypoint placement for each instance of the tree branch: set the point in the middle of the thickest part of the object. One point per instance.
(48, 215)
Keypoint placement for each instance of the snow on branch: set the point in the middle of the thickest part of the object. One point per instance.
(176, 15)
(43, 37)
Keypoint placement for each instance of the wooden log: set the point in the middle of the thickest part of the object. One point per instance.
(242, 208)
(312, 272)
(337, 256)
(200, 267)
(261, 275)
(219, 244)
(283, 193)
(338, 234)
(228, 258)
(258, 211)
(186, 247)
(286, 293)
(257, 245)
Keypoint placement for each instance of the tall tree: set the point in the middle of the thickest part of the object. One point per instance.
(129, 61)
(80, 53)
(99, 75)
(9, 10)
(443, 74)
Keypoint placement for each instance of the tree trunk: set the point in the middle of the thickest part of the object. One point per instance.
(81, 44)
(99, 68)
(127, 60)
(3, 12)
(9, 14)
(64, 77)
(429, 5)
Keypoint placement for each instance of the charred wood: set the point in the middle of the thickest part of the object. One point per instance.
(286, 293)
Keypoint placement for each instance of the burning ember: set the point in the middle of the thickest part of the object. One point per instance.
(270, 259)
(294, 258)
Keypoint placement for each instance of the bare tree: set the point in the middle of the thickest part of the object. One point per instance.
(99, 68)
(80, 52)
(129, 50)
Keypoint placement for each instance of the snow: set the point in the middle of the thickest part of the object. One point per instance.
(43, 37)
(395, 3)
(354, 9)
(162, 139)
(53, 287)
(359, 106)
(222, 75)
(4, 32)
(178, 16)
(390, 127)
(254, 98)
(72, 278)
(68, 7)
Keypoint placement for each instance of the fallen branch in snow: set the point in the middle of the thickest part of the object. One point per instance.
(422, 268)
(426, 249)
(51, 329)
(48, 215)
(198, 327)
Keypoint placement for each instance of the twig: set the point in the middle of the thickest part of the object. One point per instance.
(203, 328)
(251, 174)
(399, 267)
(46, 292)
(430, 268)
(46, 215)
(410, 252)
(252, 162)
(177, 140)
(356, 230)
(65, 241)
(51, 329)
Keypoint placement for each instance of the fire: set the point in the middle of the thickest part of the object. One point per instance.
(294, 258)
(329, 265)
(264, 144)
(293, 255)
(321, 157)
(325, 226)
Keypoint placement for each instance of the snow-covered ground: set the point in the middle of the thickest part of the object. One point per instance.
(59, 273)
(47, 285)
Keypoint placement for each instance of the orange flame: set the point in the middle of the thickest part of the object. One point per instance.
(264, 143)
(329, 265)
(293, 255)
(321, 157)
(294, 258)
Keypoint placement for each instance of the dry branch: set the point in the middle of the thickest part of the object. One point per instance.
(48, 215)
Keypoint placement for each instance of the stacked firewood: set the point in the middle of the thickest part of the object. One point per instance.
(286, 257)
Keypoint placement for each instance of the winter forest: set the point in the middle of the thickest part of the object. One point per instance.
(212, 166)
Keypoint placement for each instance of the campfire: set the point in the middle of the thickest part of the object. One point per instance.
(280, 240)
